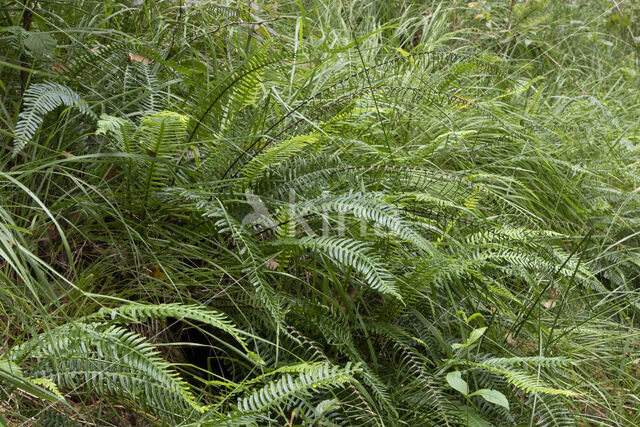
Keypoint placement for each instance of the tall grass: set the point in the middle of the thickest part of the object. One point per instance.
(319, 213)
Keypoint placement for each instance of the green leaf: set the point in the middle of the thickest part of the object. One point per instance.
(454, 379)
(11, 375)
(471, 417)
(41, 44)
(473, 337)
(7, 365)
(255, 358)
(492, 396)
(13, 29)
(47, 384)
(325, 406)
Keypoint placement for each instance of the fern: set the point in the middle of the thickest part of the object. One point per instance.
(40, 99)
(142, 312)
(285, 388)
(122, 130)
(349, 253)
(109, 360)
(275, 155)
(253, 260)
(367, 207)
(162, 133)
(335, 195)
(518, 379)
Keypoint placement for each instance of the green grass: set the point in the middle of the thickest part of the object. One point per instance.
(319, 213)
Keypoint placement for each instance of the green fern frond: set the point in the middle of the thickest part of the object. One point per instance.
(368, 207)
(49, 385)
(275, 155)
(349, 253)
(39, 99)
(136, 312)
(288, 387)
(543, 361)
(108, 360)
(139, 76)
(121, 130)
(161, 136)
(253, 260)
(232, 93)
(518, 379)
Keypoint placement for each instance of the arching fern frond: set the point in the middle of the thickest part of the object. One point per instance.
(349, 253)
(39, 99)
(121, 131)
(136, 312)
(518, 379)
(370, 208)
(109, 360)
(312, 378)
(252, 258)
(162, 133)
(275, 155)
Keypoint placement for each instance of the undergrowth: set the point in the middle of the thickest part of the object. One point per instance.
(319, 213)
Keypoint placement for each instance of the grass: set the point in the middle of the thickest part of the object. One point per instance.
(319, 213)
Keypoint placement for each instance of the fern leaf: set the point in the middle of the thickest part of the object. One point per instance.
(136, 312)
(518, 379)
(39, 99)
(162, 133)
(108, 360)
(122, 130)
(350, 253)
(253, 260)
(369, 208)
(288, 386)
(275, 155)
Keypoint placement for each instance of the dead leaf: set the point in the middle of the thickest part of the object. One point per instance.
(157, 273)
(548, 304)
(134, 57)
(60, 67)
(52, 231)
(113, 172)
(272, 264)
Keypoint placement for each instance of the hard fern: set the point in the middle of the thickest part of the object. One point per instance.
(40, 99)
(107, 359)
(136, 312)
(350, 253)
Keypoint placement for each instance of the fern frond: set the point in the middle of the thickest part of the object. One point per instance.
(275, 155)
(136, 312)
(368, 207)
(162, 134)
(311, 379)
(139, 76)
(253, 259)
(231, 94)
(39, 99)
(518, 379)
(349, 253)
(121, 130)
(107, 360)
(543, 361)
